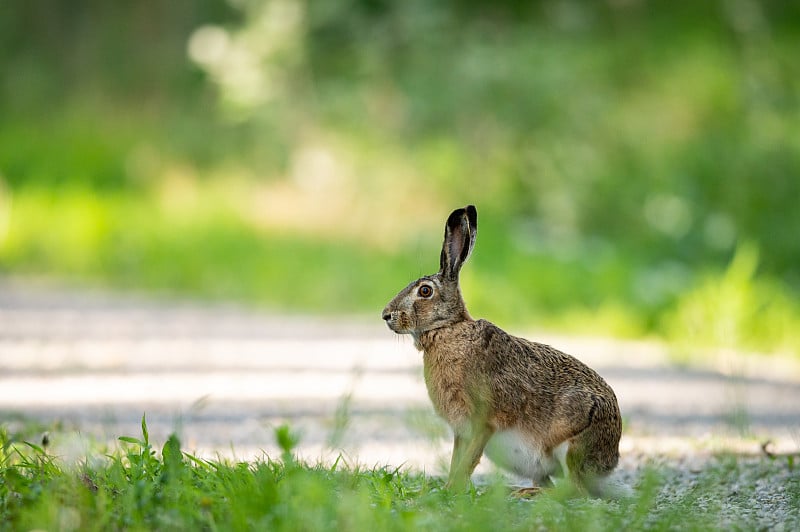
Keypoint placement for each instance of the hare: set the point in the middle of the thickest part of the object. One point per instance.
(531, 408)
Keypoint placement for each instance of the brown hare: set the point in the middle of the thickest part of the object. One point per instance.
(532, 409)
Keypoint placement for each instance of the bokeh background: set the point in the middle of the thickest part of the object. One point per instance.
(636, 165)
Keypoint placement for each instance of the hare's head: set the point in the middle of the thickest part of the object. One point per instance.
(434, 301)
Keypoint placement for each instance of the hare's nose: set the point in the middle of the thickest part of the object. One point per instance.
(387, 316)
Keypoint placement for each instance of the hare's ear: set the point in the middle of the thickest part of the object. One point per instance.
(459, 239)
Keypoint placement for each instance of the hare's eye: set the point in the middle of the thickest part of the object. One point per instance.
(425, 291)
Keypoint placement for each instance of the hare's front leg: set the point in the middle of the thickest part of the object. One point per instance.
(467, 451)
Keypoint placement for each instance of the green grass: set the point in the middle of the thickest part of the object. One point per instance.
(206, 243)
(206, 250)
(138, 487)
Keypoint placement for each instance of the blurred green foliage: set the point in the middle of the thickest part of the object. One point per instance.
(304, 154)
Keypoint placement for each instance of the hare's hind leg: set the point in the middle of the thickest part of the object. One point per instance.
(592, 455)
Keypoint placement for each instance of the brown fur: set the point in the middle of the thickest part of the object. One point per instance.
(484, 381)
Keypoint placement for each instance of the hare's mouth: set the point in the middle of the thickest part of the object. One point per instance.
(397, 322)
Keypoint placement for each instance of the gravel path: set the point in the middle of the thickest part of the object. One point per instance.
(224, 376)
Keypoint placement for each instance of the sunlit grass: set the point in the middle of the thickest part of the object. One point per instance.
(735, 310)
(144, 485)
(200, 244)
(130, 241)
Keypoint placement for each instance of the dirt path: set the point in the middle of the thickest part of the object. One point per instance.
(223, 376)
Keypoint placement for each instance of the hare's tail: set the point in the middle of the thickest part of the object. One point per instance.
(608, 487)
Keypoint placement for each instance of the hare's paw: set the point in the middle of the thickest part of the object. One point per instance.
(527, 493)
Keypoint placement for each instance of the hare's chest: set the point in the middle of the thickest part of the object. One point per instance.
(445, 380)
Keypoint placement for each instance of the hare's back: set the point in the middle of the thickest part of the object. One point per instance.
(504, 353)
